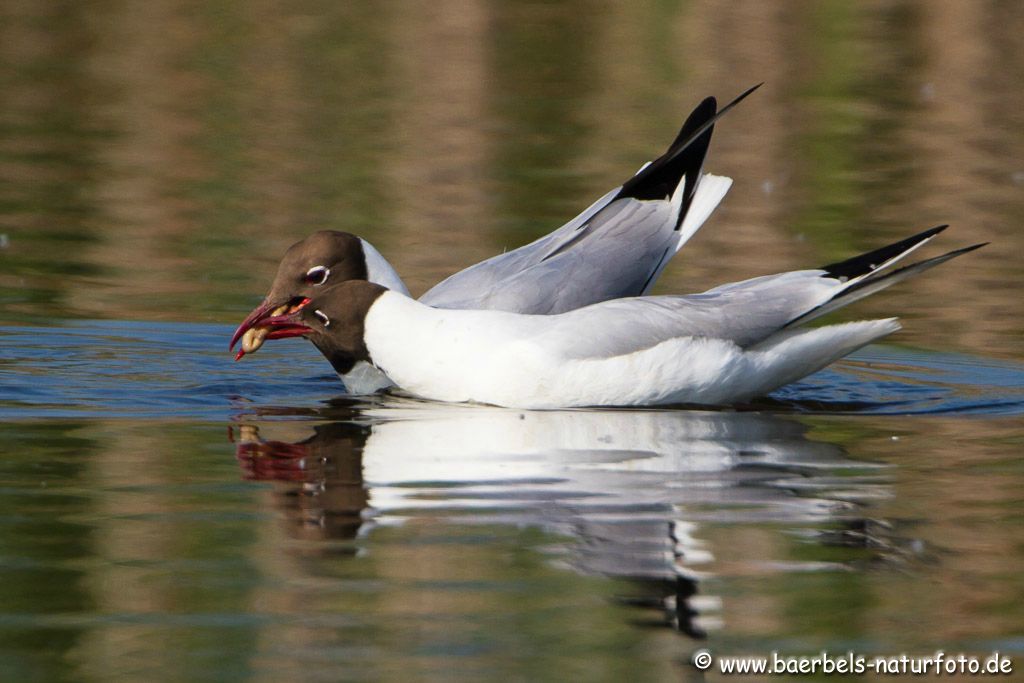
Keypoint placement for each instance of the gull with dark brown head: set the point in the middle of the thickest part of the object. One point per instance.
(727, 345)
(616, 248)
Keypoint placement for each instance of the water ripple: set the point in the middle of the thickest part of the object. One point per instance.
(152, 370)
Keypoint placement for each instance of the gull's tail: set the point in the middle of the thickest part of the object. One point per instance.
(795, 353)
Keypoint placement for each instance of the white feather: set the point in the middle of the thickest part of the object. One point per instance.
(364, 379)
(711, 190)
(380, 271)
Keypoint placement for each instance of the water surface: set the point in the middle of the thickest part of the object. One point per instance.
(167, 509)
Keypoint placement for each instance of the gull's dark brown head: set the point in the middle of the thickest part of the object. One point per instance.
(334, 320)
(324, 258)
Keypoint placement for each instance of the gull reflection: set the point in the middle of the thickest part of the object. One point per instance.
(630, 488)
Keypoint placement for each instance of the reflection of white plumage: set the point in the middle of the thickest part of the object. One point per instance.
(629, 485)
(629, 489)
(729, 344)
(606, 456)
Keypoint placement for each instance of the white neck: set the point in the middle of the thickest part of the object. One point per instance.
(378, 270)
(439, 353)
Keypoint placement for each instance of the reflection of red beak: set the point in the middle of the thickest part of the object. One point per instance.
(270, 460)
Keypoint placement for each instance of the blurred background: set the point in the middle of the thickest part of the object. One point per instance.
(166, 514)
(157, 158)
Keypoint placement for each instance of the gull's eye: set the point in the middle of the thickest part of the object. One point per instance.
(317, 275)
(322, 317)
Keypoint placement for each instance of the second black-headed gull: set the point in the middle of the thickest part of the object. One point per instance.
(616, 248)
(727, 345)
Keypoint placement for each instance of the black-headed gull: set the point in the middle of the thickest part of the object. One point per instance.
(729, 344)
(616, 248)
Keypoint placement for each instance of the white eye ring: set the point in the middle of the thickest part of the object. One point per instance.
(317, 275)
(322, 317)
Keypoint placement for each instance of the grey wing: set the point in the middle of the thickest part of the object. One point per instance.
(477, 281)
(615, 253)
(609, 261)
(744, 313)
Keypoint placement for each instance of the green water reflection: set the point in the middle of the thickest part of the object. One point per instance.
(141, 549)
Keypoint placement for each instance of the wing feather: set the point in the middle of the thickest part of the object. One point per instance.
(671, 187)
(747, 313)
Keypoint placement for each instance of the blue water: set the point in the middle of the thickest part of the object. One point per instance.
(121, 369)
(153, 370)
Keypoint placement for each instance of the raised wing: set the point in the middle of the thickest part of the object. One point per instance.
(616, 248)
(484, 277)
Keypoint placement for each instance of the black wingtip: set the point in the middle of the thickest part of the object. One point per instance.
(971, 248)
(960, 252)
(931, 232)
(913, 268)
(875, 282)
(700, 114)
(685, 156)
(865, 263)
(721, 112)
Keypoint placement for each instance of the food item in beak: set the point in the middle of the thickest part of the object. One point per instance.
(254, 337)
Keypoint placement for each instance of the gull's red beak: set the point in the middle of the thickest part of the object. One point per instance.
(268, 321)
(259, 313)
(284, 326)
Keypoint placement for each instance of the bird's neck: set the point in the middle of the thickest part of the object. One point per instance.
(432, 352)
(397, 328)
